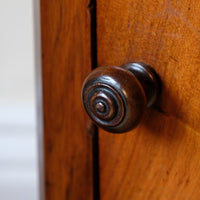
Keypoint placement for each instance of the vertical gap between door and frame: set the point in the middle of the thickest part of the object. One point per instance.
(95, 140)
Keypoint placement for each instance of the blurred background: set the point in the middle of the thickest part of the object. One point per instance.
(18, 144)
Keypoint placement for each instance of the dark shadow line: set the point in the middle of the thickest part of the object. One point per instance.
(95, 141)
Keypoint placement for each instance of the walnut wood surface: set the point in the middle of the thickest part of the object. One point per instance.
(159, 159)
(66, 60)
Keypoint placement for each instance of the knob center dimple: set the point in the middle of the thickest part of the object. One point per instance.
(100, 107)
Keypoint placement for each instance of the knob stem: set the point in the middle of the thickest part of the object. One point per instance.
(148, 79)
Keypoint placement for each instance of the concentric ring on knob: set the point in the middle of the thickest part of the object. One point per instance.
(105, 101)
(111, 103)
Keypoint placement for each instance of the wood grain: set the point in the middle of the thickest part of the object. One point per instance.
(159, 159)
(66, 60)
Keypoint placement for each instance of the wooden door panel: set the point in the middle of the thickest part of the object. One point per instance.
(159, 159)
(164, 34)
(66, 60)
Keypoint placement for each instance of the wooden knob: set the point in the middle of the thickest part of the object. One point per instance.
(115, 97)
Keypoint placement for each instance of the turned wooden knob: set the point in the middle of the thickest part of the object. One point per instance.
(115, 97)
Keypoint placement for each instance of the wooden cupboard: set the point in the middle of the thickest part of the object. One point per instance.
(159, 159)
